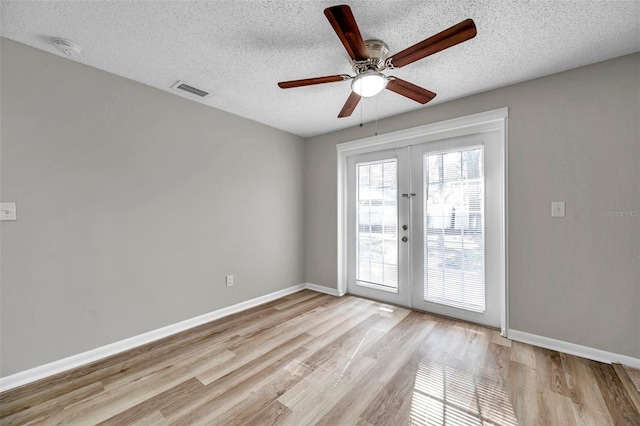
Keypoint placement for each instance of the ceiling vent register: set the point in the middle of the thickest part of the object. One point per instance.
(189, 88)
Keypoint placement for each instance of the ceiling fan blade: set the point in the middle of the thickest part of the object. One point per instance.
(312, 81)
(344, 24)
(463, 31)
(350, 105)
(410, 90)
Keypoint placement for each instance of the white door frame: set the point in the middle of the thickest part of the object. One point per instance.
(495, 120)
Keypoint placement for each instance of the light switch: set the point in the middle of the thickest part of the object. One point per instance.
(7, 211)
(557, 209)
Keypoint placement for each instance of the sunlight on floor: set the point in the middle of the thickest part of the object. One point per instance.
(445, 396)
(355, 352)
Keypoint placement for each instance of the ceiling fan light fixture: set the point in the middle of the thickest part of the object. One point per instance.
(369, 84)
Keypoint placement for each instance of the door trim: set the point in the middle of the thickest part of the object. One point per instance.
(494, 120)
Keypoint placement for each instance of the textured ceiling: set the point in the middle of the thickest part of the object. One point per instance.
(239, 50)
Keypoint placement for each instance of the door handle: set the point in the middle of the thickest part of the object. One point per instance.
(404, 239)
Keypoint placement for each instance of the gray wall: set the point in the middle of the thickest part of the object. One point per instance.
(574, 137)
(132, 206)
(134, 203)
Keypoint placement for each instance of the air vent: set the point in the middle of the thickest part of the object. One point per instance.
(189, 88)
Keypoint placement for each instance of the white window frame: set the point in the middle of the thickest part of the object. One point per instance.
(489, 121)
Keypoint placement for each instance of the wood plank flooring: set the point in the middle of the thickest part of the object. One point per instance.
(630, 378)
(634, 375)
(311, 358)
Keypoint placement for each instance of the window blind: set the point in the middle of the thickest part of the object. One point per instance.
(377, 227)
(454, 228)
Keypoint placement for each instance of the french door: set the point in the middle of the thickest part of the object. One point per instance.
(424, 226)
(377, 249)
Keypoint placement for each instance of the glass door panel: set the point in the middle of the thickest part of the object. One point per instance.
(377, 224)
(453, 227)
(378, 257)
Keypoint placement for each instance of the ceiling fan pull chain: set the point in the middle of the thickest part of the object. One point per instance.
(376, 113)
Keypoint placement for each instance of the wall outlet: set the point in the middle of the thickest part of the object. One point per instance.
(557, 209)
(229, 280)
(7, 211)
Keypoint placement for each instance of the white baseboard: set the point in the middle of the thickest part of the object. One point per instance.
(74, 361)
(323, 289)
(573, 349)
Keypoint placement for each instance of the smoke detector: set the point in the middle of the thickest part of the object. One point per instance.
(68, 47)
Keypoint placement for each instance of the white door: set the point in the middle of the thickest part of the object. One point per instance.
(424, 226)
(456, 212)
(378, 258)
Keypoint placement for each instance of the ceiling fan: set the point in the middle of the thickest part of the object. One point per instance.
(370, 57)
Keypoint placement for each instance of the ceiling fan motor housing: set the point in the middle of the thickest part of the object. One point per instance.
(378, 53)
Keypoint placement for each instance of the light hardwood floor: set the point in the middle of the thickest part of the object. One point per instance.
(634, 375)
(311, 358)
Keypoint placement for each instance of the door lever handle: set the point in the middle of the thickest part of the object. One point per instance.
(408, 195)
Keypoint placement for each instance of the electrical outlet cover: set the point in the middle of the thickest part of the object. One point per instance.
(557, 209)
(7, 211)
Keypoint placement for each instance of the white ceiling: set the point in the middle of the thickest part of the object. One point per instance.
(240, 49)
